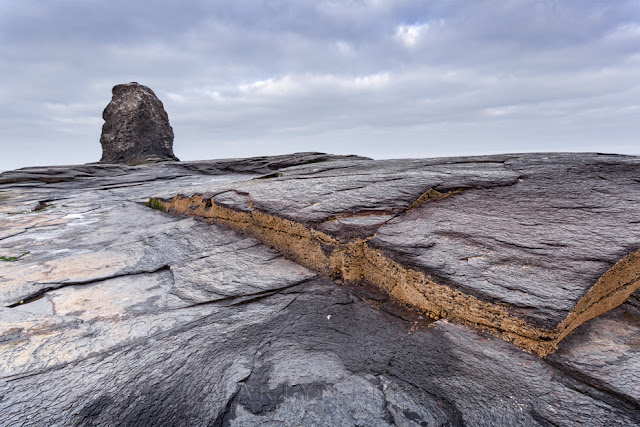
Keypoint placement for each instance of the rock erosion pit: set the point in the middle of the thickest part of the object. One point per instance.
(136, 127)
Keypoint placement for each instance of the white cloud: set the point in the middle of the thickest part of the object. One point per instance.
(344, 48)
(310, 85)
(410, 35)
(70, 108)
(372, 81)
(501, 111)
(271, 87)
(177, 98)
(628, 30)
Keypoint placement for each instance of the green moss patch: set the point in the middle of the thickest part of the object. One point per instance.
(155, 204)
(12, 258)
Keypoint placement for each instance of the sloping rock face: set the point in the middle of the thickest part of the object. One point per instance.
(136, 127)
(503, 244)
(129, 315)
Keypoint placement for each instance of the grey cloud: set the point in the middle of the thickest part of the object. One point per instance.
(376, 77)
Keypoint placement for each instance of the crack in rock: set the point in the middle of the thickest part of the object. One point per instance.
(357, 261)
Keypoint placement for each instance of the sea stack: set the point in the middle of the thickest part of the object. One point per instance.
(136, 127)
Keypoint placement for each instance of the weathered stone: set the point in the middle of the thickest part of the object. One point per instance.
(174, 311)
(93, 174)
(136, 128)
(518, 245)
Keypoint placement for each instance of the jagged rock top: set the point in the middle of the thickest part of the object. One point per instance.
(136, 128)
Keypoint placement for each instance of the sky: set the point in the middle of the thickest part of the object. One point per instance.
(379, 78)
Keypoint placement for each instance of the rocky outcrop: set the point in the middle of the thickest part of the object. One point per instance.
(136, 128)
(99, 174)
(504, 245)
(115, 313)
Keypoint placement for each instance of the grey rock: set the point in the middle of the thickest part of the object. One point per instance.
(144, 318)
(531, 232)
(136, 127)
(537, 245)
(103, 175)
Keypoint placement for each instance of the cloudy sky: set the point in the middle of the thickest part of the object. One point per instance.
(383, 78)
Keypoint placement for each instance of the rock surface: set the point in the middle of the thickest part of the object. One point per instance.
(136, 127)
(531, 233)
(138, 317)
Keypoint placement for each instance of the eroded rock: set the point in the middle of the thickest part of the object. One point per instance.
(528, 246)
(175, 310)
(136, 127)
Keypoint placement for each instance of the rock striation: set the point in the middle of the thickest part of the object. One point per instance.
(136, 127)
(496, 244)
(113, 313)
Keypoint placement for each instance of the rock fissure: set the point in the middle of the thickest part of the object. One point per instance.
(590, 386)
(432, 195)
(130, 351)
(235, 300)
(55, 286)
(358, 262)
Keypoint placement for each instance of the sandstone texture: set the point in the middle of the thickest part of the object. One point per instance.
(115, 313)
(136, 127)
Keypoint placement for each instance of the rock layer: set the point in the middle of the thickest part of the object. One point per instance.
(521, 296)
(136, 128)
(137, 317)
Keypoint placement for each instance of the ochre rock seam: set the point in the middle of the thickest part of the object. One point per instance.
(433, 195)
(358, 262)
(612, 289)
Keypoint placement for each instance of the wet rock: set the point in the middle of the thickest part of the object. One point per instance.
(174, 310)
(538, 244)
(101, 174)
(136, 128)
(526, 239)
